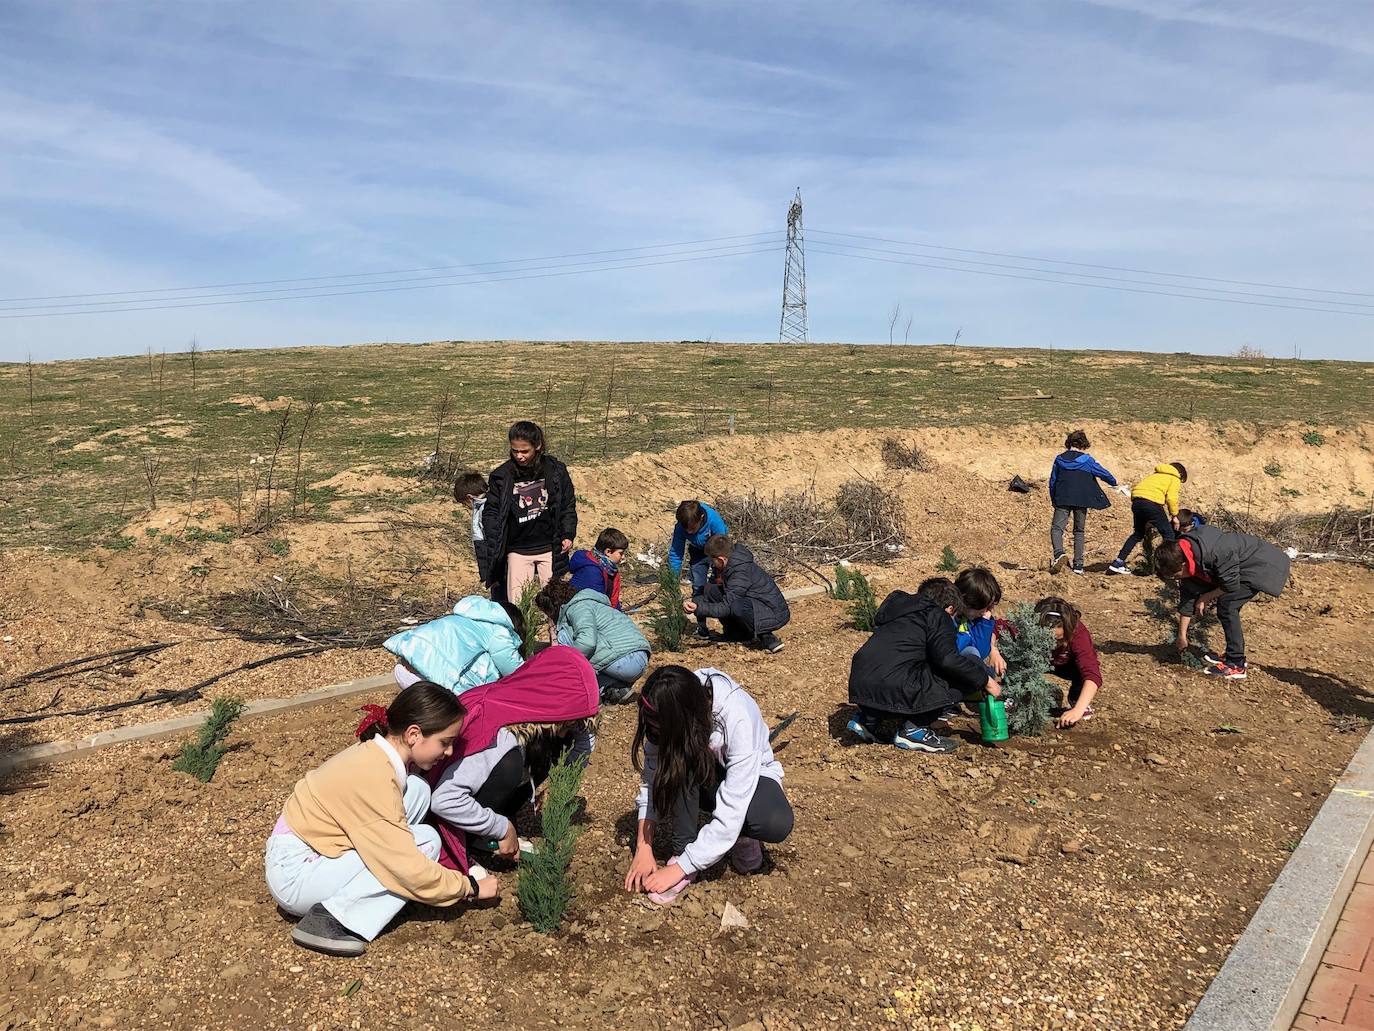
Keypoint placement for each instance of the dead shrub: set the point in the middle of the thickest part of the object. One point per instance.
(899, 455)
(1342, 531)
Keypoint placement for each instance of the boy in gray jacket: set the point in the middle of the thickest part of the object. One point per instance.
(1228, 569)
(742, 596)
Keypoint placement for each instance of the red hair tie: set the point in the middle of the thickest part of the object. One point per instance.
(375, 715)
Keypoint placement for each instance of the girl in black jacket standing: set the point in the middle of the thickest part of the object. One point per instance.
(530, 519)
(911, 669)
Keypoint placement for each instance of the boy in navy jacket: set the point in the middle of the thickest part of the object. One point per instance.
(1074, 490)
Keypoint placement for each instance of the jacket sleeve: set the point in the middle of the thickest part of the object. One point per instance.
(736, 791)
(1171, 496)
(1226, 565)
(567, 517)
(583, 629)
(453, 802)
(947, 660)
(1054, 478)
(505, 654)
(1084, 655)
(677, 548)
(387, 848)
(492, 536)
(1100, 471)
(715, 600)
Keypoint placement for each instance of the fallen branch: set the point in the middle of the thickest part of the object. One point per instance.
(68, 668)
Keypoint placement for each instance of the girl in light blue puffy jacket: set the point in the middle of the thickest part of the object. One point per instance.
(480, 642)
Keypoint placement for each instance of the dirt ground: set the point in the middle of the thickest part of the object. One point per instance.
(1092, 878)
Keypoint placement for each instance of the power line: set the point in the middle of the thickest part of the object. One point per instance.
(1083, 264)
(766, 248)
(1110, 279)
(389, 272)
(1095, 286)
(303, 292)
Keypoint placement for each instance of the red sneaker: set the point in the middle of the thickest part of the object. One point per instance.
(1226, 671)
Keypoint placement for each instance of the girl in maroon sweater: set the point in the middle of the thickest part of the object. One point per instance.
(1074, 658)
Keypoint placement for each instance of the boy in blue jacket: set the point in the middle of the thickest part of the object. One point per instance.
(598, 569)
(1074, 490)
(696, 524)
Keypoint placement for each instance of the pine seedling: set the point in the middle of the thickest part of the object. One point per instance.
(1027, 649)
(863, 606)
(543, 888)
(200, 758)
(670, 620)
(949, 562)
(534, 619)
(844, 583)
(1163, 607)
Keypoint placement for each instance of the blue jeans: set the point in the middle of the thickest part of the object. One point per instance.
(624, 671)
(974, 653)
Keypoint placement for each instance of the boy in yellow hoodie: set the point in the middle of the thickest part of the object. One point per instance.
(1154, 504)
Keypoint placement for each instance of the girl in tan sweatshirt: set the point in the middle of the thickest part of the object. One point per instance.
(350, 846)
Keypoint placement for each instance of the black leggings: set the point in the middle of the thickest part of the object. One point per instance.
(768, 818)
(508, 787)
(1145, 515)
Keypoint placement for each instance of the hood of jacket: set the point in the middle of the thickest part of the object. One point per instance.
(1073, 459)
(483, 610)
(741, 556)
(1165, 469)
(589, 596)
(900, 605)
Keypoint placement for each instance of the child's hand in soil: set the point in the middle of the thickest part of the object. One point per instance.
(488, 888)
(642, 868)
(1068, 719)
(663, 879)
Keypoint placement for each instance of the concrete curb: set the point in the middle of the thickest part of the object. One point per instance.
(1262, 984)
(63, 751)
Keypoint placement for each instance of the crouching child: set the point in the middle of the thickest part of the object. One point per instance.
(701, 743)
(351, 845)
(910, 672)
(608, 638)
(742, 596)
(1074, 658)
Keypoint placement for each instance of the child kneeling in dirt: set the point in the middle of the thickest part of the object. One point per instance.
(696, 524)
(478, 642)
(351, 845)
(1228, 569)
(607, 637)
(1074, 657)
(976, 623)
(516, 729)
(742, 596)
(598, 569)
(701, 743)
(911, 673)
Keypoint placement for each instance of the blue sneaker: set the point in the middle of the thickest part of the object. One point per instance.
(864, 730)
(922, 739)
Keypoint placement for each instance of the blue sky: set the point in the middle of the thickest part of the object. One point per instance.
(170, 144)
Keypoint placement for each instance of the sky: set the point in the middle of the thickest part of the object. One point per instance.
(160, 145)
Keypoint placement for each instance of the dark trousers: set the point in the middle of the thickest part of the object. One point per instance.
(738, 624)
(1145, 515)
(888, 723)
(1227, 608)
(1060, 523)
(768, 818)
(508, 786)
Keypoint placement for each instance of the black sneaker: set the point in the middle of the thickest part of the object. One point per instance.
(616, 695)
(319, 930)
(866, 730)
(771, 643)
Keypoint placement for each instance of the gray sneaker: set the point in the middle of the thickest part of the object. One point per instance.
(319, 930)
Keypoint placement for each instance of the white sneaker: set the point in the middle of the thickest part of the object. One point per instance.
(1119, 568)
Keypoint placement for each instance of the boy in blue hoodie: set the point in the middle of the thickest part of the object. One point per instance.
(598, 568)
(696, 524)
(1074, 490)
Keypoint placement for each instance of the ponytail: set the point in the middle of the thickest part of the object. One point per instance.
(423, 704)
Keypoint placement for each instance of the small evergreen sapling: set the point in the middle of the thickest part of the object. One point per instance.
(949, 562)
(1027, 649)
(543, 887)
(669, 621)
(1164, 607)
(844, 582)
(863, 606)
(534, 619)
(200, 758)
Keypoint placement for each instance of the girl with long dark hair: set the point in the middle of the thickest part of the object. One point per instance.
(701, 743)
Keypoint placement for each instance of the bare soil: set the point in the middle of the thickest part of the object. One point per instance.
(1092, 878)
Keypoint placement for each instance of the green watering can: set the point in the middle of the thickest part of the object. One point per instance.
(992, 716)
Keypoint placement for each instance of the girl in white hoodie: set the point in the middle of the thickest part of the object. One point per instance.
(701, 743)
